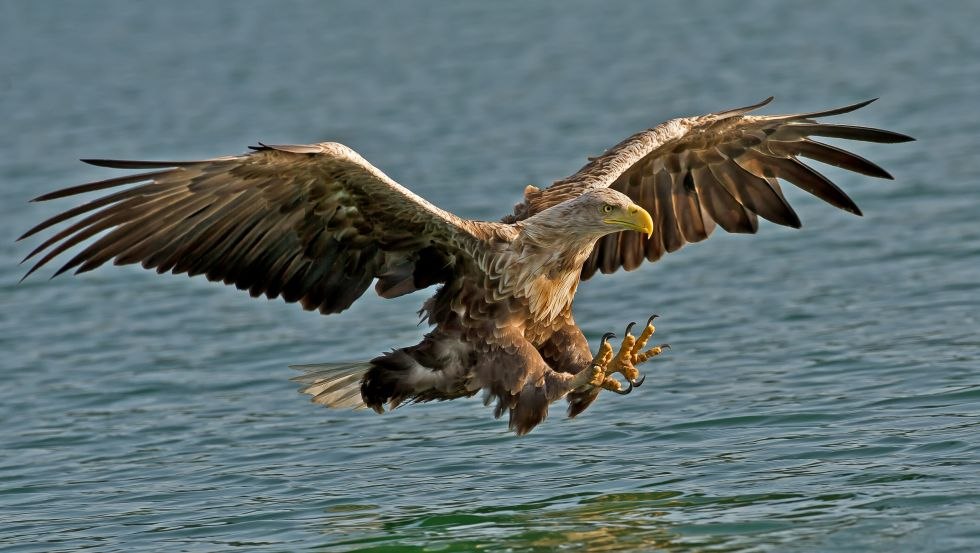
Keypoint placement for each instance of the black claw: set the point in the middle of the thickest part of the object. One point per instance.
(638, 382)
(664, 346)
(630, 326)
(608, 336)
(650, 320)
(626, 391)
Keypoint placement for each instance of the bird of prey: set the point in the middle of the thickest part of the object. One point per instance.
(317, 224)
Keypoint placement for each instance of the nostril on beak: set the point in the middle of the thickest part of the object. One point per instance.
(632, 209)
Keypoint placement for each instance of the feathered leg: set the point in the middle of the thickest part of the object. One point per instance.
(515, 374)
(567, 351)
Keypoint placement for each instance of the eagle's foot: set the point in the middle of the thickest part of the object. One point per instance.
(631, 354)
(594, 374)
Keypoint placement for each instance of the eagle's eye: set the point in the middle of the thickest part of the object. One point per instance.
(607, 208)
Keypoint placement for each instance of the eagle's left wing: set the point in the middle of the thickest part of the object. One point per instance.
(693, 173)
(314, 224)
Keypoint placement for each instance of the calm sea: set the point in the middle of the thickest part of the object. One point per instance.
(823, 393)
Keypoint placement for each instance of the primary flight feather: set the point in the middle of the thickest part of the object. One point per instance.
(317, 224)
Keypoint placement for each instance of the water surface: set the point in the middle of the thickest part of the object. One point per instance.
(822, 393)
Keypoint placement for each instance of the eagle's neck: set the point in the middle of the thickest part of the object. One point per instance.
(543, 268)
(553, 235)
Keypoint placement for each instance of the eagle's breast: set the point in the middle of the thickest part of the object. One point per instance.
(551, 296)
(544, 281)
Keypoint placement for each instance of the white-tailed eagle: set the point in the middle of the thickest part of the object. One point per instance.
(317, 224)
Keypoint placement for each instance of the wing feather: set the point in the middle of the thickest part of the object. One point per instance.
(609, 253)
(723, 169)
(314, 224)
(825, 153)
(806, 178)
(719, 204)
(666, 216)
(755, 193)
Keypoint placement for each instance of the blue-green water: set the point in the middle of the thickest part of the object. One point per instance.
(823, 393)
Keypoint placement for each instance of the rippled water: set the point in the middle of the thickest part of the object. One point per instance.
(823, 392)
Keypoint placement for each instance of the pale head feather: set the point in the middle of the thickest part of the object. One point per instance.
(579, 221)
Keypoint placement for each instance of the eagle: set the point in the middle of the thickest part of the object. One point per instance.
(318, 225)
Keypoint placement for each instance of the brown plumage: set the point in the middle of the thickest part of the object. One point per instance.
(317, 224)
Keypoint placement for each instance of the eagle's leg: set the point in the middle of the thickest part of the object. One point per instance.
(567, 351)
(594, 374)
(631, 354)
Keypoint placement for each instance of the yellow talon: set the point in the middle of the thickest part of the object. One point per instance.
(631, 353)
(599, 372)
(641, 342)
(594, 374)
(652, 352)
(597, 376)
(611, 384)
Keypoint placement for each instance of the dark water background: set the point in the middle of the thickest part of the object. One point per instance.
(823, 393)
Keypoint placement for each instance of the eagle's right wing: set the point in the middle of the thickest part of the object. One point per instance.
(695, 172)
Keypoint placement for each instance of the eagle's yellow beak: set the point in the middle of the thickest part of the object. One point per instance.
(633, 217)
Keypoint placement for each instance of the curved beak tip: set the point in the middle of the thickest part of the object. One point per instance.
(642, 219)
(635, 218)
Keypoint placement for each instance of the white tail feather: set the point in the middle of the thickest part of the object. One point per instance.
(336, 385)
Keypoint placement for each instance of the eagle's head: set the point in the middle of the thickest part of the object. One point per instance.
(604, 211)
(588, 217)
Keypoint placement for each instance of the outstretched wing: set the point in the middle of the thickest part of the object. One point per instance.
(310, 223)
(694, 173)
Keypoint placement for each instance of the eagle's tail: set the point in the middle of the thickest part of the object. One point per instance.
(336, 385)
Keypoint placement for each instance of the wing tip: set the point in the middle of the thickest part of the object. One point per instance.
(27, 274)
(53, 195)
(125, 164)
(308, 149)
(735, 112)
(836, 111)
